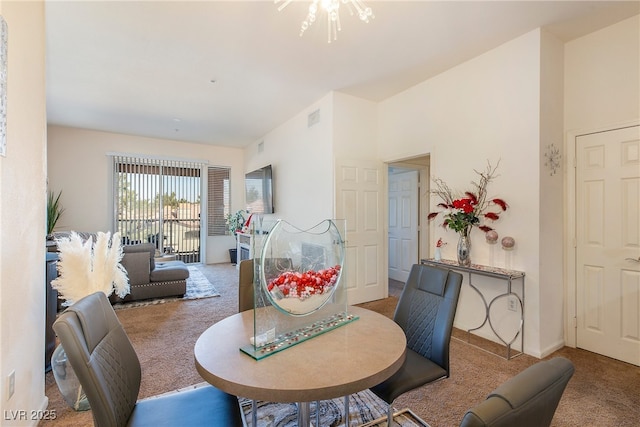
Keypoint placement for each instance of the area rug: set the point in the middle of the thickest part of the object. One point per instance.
(365, 408)
(198, 286)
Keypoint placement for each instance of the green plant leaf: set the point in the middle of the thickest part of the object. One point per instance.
(54, 210)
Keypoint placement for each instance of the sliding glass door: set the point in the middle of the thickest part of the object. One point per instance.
(159, 201)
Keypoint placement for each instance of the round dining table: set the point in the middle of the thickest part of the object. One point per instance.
(343, 361)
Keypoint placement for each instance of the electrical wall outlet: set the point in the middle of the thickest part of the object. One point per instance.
(11, 384)
(512, 303)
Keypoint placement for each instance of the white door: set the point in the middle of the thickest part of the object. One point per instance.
(360, 200)
(403, 224)
(608, 243)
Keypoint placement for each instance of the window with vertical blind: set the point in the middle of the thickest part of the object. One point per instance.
(159, 201)
(218, 200)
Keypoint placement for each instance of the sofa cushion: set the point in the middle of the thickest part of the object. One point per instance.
(167, 271)
(137, 266)
(149, 248)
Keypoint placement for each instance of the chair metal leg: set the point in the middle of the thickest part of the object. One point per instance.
(389, 415)
(254, 413)
(346, 411)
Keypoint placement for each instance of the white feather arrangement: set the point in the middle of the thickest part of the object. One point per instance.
(85, 267)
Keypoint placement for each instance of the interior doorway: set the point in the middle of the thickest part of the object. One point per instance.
(408, 202)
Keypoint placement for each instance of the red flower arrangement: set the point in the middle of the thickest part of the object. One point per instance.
(463, 213)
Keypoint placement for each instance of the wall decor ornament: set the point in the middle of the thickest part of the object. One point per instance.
(491, 236)
(464, 210)
(552, 159)
(508, 243)
(3, 86)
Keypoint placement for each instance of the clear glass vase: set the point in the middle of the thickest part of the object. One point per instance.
(301, 269)
(298, 292)
(67, 381)
(464, 249)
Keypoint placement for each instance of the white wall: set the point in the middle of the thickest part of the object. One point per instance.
(511, 103)
(550, 295)
(602, 77)
(22, 214)
(302, 161)
(485, 109)
(354, 127)
(80, 167)
(602, 91)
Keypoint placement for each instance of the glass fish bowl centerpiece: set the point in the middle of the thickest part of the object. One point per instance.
(301, 269)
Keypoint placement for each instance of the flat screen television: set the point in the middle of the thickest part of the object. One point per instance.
(259, 190)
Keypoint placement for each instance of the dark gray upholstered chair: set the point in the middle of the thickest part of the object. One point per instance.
(245, 285)
(529, 399)
(109, 371)
(245, 279)
(425, 312)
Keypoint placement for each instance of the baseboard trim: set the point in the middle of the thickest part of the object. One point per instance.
(552, 348)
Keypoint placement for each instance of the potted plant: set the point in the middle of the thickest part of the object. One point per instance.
(235, 221)
(54, 211)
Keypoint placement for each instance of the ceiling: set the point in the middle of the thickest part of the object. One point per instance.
(228, 72)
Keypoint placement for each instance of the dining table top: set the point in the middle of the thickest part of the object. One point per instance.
(345, 360)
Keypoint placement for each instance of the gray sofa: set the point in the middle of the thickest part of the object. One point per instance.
(149, 279)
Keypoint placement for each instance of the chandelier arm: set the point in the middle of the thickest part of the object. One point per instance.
(332, 9)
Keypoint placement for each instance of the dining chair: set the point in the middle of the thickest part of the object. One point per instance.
(425, 311)
(529, 399)
(245, 285)
(109, 371)
(245, 280)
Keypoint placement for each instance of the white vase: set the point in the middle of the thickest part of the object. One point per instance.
(438, 255)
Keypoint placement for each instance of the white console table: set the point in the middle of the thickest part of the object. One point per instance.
(498, 273)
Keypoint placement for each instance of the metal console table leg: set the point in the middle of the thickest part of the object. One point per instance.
(498, 273)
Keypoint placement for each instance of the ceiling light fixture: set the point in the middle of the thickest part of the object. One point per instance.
(332, 10)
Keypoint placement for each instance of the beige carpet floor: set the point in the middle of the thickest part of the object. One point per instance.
(603, 392)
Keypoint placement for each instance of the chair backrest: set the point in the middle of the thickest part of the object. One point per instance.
(426, 309)
(274, 267)
(102, 357)
(245, 285)
(529, 399)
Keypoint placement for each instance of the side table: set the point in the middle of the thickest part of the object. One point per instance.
(51, 308)
(165, 258)
(498, 273)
